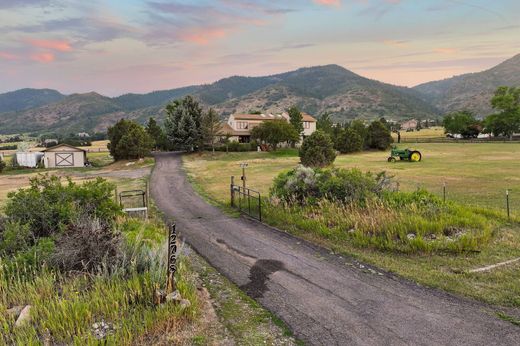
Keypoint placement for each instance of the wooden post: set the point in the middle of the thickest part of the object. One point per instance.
(444, 191)
(172, 259)
(507, 204)
(115, 194)
(232, 190)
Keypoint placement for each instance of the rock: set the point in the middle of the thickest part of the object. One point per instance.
(24, 317)
(175, 296)
(411, 236)
(185, 303)
(102, 329)
(15, 311)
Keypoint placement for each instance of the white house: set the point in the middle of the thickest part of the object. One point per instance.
(238, 127)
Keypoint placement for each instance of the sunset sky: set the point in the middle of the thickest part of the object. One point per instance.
(119, 46)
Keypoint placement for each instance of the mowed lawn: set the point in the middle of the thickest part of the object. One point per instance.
(479, 173)
(476, 173)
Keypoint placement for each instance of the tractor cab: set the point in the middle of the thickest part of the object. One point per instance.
(404, 154)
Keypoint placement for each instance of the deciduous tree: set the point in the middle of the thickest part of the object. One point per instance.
(379, 136)
(274, 132)
(211, 125)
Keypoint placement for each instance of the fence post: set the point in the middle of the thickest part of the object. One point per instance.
(232, 191)
(259, 207)
(248, 202)
(172, 259)
(507, 204)
(444, 191)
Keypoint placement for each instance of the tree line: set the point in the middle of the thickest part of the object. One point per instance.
(188, 127)
(505, 122)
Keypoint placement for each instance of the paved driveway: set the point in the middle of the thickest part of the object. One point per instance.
(323, 298)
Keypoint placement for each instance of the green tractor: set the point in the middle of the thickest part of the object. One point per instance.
(405, 154)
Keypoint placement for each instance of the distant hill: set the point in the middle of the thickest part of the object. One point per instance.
(315, 90)
(23, 99)
(471, 91)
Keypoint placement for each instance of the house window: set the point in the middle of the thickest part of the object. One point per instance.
(306, 124)
(242, 125)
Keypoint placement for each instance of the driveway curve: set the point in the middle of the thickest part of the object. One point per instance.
(325, 299)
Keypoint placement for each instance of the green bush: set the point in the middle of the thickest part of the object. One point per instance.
(349, 141)
(317, 150)
(129, 140)
(48, 206)
(2, 165)
(379, 137)
(304, 185)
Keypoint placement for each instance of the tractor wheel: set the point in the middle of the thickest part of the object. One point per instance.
(391, 159)
(415, 156)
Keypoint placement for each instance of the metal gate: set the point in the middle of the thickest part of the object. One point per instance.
(247, 201)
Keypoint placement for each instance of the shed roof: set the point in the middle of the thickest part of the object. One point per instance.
(64, 145)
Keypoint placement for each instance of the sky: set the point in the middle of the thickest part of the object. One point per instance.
(119, 46)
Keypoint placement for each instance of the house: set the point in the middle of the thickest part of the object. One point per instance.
(410, 125)
(238, 127)
(50, 142)
(64, 156)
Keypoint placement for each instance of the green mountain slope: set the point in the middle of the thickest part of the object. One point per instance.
(471, 91)
(315, 90)
(23, 99)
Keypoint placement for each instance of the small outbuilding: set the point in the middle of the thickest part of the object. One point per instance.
(28, 159)
(64, 156)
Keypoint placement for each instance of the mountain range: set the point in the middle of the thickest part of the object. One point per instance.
(315, 90)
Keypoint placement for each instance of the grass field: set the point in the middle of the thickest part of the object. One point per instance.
(432, 132)
(477, 174)
(474, 173)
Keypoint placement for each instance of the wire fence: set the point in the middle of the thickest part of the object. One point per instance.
(458, 140)
(503, 200)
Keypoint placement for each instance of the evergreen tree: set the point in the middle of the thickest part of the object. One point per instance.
(325, 123)
(296, 120)
(379, 136)
(128, 140)
(349, 142)
(359, 127)
(157, 134)
(317, 150)
(187, 135)
(211, 125)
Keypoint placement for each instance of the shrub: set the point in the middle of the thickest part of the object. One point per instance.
(86, 245)
(317, 150)
(349, 141)
(304, 185)
(2, 165)
(379, 136)
(48, 206)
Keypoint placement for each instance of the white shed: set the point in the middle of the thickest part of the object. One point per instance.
(64, 156)
(28, 159)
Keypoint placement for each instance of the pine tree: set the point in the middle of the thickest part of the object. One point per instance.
(175, 132)
(211, 125)
(296, 120)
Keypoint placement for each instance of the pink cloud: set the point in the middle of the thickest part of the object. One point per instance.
(58, 45)
(43, 57)
(328, 2)
(203, 36)
(8, 56)
(445, 50)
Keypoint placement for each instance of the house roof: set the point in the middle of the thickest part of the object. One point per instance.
(306, 117)
(227, 130)
(64, 145)
(257, 116)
